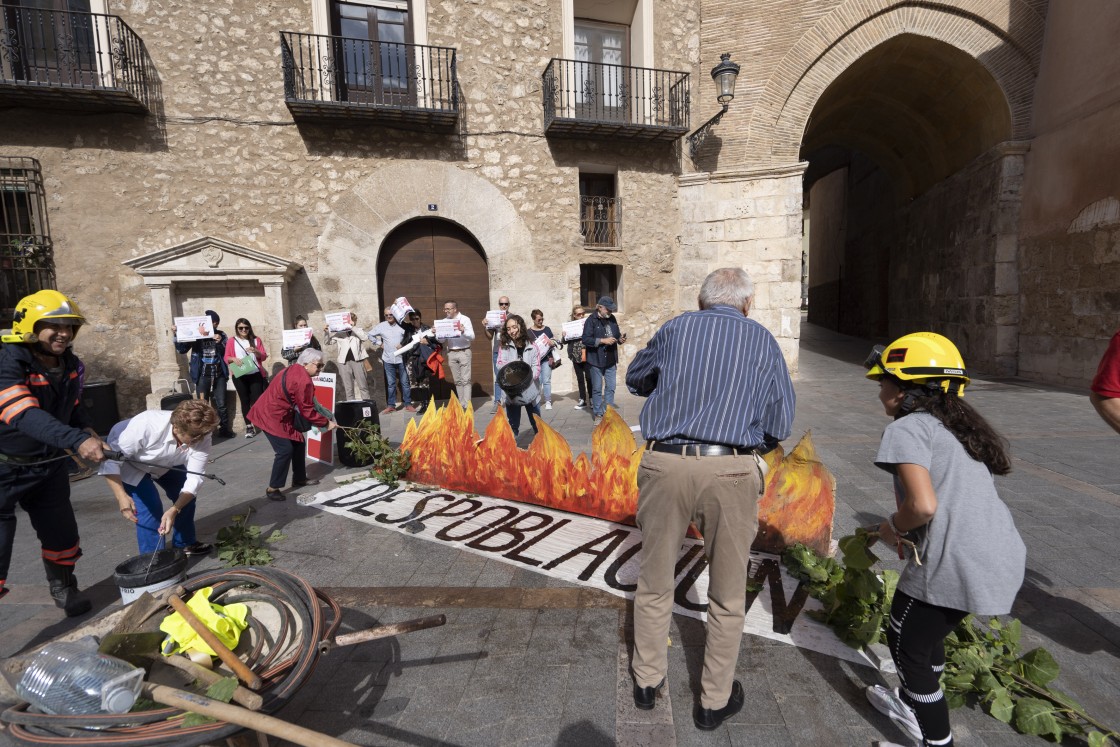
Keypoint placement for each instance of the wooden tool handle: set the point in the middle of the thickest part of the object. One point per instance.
(230, 659)
(236, 715)
(387, 631)
(247, 698)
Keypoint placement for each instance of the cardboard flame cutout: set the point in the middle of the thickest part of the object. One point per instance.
(798, 504)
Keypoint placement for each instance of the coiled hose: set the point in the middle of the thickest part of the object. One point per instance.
(282, 658)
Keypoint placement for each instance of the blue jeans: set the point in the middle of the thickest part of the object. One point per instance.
(395, 372)
(546, 380)
(513, 415)
(149, 510)
(497, 389)
(602, 388)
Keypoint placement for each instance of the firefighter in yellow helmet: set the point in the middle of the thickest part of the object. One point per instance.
(41, 417)
(951, 524)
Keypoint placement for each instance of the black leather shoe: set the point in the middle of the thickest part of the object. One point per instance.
(274, 494)
(708, 718)
(644, 697)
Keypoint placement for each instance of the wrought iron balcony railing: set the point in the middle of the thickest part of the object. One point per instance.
(333, 77)
(588, 99)
(71, 60)
(600, 221)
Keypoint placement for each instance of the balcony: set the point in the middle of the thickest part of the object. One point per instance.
(600, 221)
(70, 60)
(598, 100)
(334, 78)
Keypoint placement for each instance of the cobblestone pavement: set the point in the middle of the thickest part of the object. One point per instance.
(526, 659)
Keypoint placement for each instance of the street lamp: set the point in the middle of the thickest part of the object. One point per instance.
(724, 74)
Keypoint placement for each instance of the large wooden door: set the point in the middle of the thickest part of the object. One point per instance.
(431, 261)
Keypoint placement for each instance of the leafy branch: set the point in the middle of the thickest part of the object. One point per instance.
(240, 543)
(983, 662)
(387, 464)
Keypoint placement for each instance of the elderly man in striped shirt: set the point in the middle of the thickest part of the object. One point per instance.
(720, 396)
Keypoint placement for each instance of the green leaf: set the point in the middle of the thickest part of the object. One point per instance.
(954, 699)
(855, 552)
(1002, 706)
(276, 536)
(222, 689)
(1096, 739)
(192, 719)
(1038, 666)
(1035, 716)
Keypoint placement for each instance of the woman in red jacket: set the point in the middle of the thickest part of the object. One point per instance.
(274, 412)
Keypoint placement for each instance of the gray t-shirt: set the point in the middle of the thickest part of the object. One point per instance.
(972, 556)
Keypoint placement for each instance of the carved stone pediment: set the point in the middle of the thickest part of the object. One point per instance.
(207, 258)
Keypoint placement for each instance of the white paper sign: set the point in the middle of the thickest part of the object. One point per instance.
(495, 319)
(400, 308)
(574, 329)
(191, 328)
(445, 329)
(296, 338)
(338, 321)
(542, 346)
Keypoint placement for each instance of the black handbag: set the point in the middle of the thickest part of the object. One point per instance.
(299, 422)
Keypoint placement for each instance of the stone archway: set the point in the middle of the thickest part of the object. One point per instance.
(1005, 37)
(403, 191)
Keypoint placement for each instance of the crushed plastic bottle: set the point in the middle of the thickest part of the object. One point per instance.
(69, 678)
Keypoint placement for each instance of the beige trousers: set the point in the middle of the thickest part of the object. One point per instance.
(719, 494)
(459, 361)
(352, 377)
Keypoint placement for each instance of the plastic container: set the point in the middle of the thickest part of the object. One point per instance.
(69, 678)
(350, 413)
(145, 573)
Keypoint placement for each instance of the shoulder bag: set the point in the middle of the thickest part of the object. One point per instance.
(243, 366)
(299, 422)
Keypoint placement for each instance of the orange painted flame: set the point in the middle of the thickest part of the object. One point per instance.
(447, 452)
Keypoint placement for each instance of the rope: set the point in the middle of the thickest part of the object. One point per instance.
(283, 658)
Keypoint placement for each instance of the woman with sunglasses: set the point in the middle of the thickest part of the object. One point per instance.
(245, 354)
(168, 449)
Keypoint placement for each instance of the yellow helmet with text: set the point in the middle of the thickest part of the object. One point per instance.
(920, 358)
(43, 306)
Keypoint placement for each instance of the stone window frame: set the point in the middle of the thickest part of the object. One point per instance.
(590, 271)
(417, 16)
(637, 15)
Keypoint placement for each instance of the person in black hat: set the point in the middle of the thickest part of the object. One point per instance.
(601, 338)
(208, 370)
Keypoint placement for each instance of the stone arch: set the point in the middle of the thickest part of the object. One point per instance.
(1004, 37)
(399, 192)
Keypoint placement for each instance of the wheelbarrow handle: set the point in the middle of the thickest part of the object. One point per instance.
(382, 631)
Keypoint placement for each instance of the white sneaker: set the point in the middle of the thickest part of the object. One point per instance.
(250, 432)
(548, 405)
(580, 404)
(888, 703)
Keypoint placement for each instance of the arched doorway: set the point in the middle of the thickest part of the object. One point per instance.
(907, 195)
(431, 261)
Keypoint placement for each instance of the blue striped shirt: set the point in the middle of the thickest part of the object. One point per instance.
(713, 376)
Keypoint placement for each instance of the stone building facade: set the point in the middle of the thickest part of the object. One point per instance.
(920, 138)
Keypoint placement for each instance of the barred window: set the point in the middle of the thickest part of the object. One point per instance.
(26, 251)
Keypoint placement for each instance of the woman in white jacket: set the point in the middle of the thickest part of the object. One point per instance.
(352, 357)
(168, 449)
(516, 347)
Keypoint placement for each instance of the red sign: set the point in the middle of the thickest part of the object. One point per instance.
(320, 446)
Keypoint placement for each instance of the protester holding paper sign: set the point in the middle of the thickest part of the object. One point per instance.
(208, 370)
(457, 333)
(388, 335)
(245, 353)
(549, 361)
(308, 340)
(353, 359)
(573, 338)
(495, 323)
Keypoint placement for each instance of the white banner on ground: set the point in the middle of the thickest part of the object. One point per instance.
(581, 550)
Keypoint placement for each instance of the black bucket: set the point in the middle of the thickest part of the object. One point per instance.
(516, 380)
(168, 568)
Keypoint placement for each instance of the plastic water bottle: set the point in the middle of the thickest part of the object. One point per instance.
(72, 678)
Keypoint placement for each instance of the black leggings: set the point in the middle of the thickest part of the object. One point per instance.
(249, 388)
(583, 378)
(917, 640)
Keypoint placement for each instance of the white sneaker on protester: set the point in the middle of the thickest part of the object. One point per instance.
(548, 405)
(580, 404)
(888, 703)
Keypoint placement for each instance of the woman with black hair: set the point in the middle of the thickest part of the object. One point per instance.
(517, 347)
(245, 354)
(966, 556)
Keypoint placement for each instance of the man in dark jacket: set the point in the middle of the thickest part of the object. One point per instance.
(40, 417)
(208, 370)
(601, 338)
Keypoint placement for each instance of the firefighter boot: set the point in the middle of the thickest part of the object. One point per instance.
(64, 589)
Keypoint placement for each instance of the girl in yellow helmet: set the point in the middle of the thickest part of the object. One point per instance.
(969, 557)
